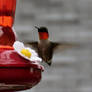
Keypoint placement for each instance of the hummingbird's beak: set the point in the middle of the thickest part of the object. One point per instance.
(36, 27)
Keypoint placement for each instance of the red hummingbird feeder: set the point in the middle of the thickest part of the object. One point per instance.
(16, 72)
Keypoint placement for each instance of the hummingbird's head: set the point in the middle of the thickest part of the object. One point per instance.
(43, 33)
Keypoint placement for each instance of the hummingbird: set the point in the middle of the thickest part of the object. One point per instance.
(45, 47)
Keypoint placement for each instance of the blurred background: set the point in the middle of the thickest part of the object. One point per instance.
(69, 21)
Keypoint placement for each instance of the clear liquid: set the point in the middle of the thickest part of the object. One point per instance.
(6, 18)
(7, 14)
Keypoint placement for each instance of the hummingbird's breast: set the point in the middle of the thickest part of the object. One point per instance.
(45, 51)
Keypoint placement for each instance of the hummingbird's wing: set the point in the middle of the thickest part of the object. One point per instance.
(63, 45)
(33, 45)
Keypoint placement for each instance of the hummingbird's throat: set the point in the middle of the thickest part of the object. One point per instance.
(43, 35)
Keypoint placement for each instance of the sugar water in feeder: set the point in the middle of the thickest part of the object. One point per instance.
(7, 14)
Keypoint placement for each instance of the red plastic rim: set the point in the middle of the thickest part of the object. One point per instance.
(13, 59)
(17, 73)
(2, 47)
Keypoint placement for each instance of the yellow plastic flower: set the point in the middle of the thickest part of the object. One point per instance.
(26, 52)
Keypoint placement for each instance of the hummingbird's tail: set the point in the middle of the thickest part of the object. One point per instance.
(49, 62)
(46, 63)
